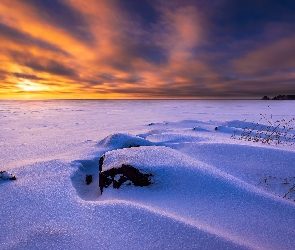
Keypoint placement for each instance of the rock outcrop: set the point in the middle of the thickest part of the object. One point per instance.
(125, 174)
(6, 176)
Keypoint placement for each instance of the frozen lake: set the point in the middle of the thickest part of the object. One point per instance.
(223, 174)
(38, 130)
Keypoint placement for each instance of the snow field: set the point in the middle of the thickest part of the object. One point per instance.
(209, 191)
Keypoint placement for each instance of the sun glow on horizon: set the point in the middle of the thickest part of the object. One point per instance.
(145, 49)
(29, 86)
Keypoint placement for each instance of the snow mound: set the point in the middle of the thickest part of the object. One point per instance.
(208, 190)
(120, 140)
(203, 197)
(150, 157)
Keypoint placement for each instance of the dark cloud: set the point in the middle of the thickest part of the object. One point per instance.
(112, 80)
(59, 14)
(39, 64)
(238, 27)
(27, 76)
(52, 67)
(246, 19)
(24, 39)
(146, 51)
(260, 87)
(131, 79)
(144, 11)
(3, 75)
(151, 48)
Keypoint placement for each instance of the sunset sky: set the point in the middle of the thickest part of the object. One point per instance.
(90, 49)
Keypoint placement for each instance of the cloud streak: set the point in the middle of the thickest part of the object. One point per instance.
(146, 49)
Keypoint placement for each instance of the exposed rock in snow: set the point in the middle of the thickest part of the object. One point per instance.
(208, 191)
(6, 176)
(88, 179)
(125, 174)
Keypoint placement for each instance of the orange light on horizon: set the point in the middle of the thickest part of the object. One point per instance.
(27, 85)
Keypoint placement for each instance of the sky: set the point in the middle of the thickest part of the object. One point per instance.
(150, 49)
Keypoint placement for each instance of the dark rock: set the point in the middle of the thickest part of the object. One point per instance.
(4, 175)
(119, 176)
(104, 181)
(88, 179)
(100, 163)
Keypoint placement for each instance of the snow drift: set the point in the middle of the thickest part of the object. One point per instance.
(208, 191)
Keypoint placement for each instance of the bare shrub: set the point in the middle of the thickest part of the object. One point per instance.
(283, 187)
(267, 131)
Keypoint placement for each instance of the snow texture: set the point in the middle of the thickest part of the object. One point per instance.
(209, 190)
(120, 140)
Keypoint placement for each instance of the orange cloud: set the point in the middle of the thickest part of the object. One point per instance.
(275, 58)
(104, 49)
(42, 57)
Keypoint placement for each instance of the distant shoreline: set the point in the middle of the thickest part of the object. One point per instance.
(280, 97)
(150, 99)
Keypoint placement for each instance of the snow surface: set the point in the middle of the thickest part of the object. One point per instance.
(209, 191)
